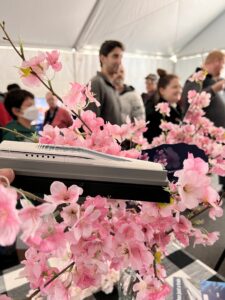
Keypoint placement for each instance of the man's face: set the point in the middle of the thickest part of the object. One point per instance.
(112, 61)
(151, 85)
(119, 76)
(218, 66)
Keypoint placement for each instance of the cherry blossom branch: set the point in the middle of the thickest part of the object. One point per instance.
(52, 279)
(154, 250)
(49, 85)
(7, 38)
(193, 215)
(29, 195)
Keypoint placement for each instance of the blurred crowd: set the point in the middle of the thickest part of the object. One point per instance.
(118, 98)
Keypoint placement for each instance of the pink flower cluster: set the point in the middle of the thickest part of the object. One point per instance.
(198, 76)
(163, 108)
(198, 130)
(107, 138)
(79, 97)
(39, 65)
(102, 234)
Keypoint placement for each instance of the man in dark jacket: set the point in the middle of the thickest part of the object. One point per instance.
(212, 84)
(110, 56)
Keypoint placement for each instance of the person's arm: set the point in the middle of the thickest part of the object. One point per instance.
(189, 86)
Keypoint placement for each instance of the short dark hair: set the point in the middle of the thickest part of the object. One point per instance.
(152, 77)
(13, 86)
(109, 46)
(15, 98)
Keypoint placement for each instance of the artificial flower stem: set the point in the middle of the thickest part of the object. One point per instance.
(49, 87)
(29, 195)
(52, 279)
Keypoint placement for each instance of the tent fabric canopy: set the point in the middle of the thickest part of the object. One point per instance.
(153, 27)
(156, 33)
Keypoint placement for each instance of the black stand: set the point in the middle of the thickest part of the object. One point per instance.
(112, 296)
(220, 261)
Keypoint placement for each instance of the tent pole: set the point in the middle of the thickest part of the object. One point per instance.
(200, 32)
(87, 23)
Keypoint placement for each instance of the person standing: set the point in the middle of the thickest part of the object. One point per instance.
(169, 91)
(21, 106)
(130, 101)
(55, 115)
(151, 88)
(212, 84)
(110, 57)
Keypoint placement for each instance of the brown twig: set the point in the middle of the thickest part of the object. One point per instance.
(52, 279)
(30, 195)
(154, 250)
(49, 87)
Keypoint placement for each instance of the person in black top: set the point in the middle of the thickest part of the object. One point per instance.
(213, 84)
(169, 90)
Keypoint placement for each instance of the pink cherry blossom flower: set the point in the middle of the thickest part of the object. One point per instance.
(215, 212)
(89, 117)
(31, 217)
(9, 220)
(36, 64)
(163, 108)
(190, 187)
(76, 98)
(90, 95)
(198, 76)
(192, 181)
(61, 194)
(195, 164)
(52, 59)
(35, 266)
(151, 288)
(85, 225)
(71, 214)
(4, 297)
(49, 237)
(49, 135)
(212, 237)
(56, 290)
(86, 276)
(205, 239)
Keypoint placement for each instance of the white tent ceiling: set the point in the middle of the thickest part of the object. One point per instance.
(153, 27)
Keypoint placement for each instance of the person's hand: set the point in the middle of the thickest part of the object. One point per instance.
(8, 173)
(218, 86)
